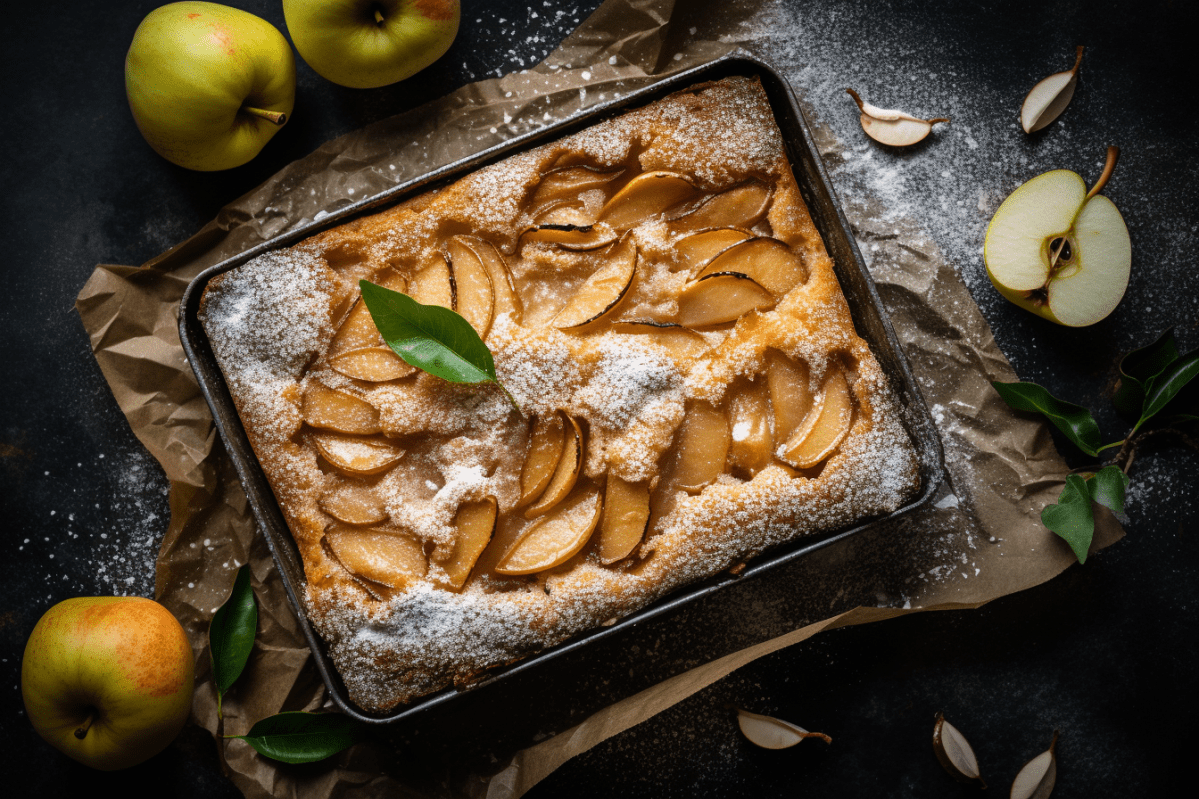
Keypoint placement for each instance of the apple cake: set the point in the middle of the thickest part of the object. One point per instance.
(691, 391)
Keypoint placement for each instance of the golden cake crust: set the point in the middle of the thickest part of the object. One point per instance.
(412, 450)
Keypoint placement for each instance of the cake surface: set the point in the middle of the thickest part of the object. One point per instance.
(692, 392)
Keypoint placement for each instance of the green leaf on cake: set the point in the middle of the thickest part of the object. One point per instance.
(1073, 420)
(299, 737)
(231, 634)
(431, 338)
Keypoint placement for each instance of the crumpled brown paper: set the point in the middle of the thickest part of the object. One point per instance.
(980, 539)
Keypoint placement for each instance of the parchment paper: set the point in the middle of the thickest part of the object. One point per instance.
(981, 539)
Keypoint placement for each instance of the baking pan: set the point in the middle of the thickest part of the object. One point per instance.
(869, 319)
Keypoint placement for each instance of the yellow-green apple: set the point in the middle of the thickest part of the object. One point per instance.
(364, 44)
(1057, 250)
(209, 85)
(108, 680)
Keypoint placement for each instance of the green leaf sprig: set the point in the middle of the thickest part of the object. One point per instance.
(431, 338)
(1155, 382)
(299, 737)
(231, 634)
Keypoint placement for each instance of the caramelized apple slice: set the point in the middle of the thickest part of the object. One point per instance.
(768, 262)
(475, 523)
(390, 559)
(563, 212)
(336, 410)
(740, 206)
(682, 343)
(545, 450)
(790, 393)
(434, 284)
(353, 504)
(697, 249)
(568, 182)
(645, 196)
(571, 237)
(826, 425)
(602, 292)
(752, 446)
(555, 539)
(507, 301)
(565, 473)
(356, 456)
(701, 448)
(722, 297)
(626, 515)
(372, 364)
(357, 330)
(476, 298)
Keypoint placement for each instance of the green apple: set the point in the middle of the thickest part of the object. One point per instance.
(1057, 250)
(209, 85)
(364, 44)
(108, 680)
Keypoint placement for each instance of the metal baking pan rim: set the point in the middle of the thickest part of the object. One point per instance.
(833, 224)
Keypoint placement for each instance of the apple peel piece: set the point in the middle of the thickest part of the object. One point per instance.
(721, 297)
(768, 262)
(954, 752)
(545, 450)
(603, 291)
(566, 473)
(390, 559)
(644, 197)
(891, 127)
(475, 525)
(1047, 100)
(552, 541)
(356, 456)
(826, 426)
(353, 504)
(771, 733)
(625, 519)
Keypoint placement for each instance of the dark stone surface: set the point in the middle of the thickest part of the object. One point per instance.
(1106, 653)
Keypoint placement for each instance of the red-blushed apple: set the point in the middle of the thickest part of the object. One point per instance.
(364, 44)
(108, 680)
(208, 85)
(1059, 251)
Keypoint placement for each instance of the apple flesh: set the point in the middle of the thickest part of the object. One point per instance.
(1058, 251)
(208, 85)
(108, 680)
(365, 44)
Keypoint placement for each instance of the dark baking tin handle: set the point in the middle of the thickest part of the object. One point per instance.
(857, 285)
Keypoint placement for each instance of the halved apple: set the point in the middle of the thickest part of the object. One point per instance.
(475, 296)
(603, 291)
(434, 284)
(357, 457)
(682, 343)
(1059, 251)
(571, 237)
(721, 297)
(646, 196)
(701, 247)
(545, 450)
(751, 445)
(566, 473)
(353, 504)
(372, 364)
(391, 559)
(790, 393)
(475, 523)
(825, 426)
(507, 301)
(555, 539)
(741, 206)
(701, 447)
(330, 409)
(768, 262)
(626, 515)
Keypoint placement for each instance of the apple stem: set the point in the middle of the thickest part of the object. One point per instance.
(1077, 60)
(856, 99)
(81, 733)
(1113, 153)
(274, 117)
(379, 17)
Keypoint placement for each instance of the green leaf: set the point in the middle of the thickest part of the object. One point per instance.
(1107, 487)
(1165, 386)
(430, 337)
(1072, 517)
(1140, 366)
(298, 737)
(231, 634)
(1073, 420)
